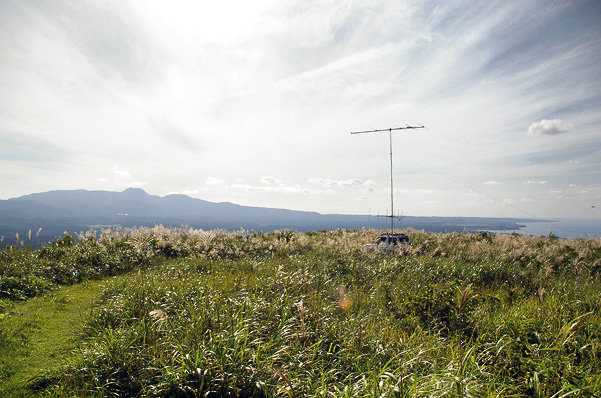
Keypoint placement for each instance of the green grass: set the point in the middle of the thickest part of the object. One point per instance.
(37, 336)
(292, 315)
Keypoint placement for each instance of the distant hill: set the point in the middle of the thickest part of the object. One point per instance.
(57, 212)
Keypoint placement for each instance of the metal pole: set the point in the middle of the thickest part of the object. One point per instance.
(391, 186)
(391, 179)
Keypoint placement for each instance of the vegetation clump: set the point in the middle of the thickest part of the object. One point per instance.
(314, 314)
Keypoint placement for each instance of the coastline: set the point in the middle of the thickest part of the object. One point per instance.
(579, 228)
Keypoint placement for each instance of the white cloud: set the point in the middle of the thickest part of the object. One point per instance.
(270, 180)
(549, 127)
(121, 173)
(285, 189)
(329, 183)
(492, 182)
(214, 181)
(531, 182)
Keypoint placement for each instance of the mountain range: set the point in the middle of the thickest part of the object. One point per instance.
(74, 211)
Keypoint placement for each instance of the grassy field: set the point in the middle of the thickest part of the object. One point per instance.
(178, 312)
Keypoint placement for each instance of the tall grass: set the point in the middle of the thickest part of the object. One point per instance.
(290, 315)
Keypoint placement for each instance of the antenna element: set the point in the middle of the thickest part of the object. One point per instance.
(391, 182)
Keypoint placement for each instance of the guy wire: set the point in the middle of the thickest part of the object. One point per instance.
(470, 188)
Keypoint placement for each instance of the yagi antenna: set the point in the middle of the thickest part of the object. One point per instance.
(390, 129)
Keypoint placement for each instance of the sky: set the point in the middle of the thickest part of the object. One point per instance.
(253, 102)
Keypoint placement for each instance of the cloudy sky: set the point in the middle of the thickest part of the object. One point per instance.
(252, 102)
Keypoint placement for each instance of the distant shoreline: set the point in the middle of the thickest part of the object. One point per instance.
(563, 227)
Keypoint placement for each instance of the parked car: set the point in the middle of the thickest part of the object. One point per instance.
(389, 242)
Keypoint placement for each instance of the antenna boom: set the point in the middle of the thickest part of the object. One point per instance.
(388, 129)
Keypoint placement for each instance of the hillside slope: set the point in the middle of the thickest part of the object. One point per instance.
(74, 211)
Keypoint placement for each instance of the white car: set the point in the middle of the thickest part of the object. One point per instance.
(389, 242)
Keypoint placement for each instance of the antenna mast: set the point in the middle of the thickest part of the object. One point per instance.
(391, 180)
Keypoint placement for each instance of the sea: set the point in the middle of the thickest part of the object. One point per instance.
(562, 227)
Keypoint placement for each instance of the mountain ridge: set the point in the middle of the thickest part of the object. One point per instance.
(74, 211)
